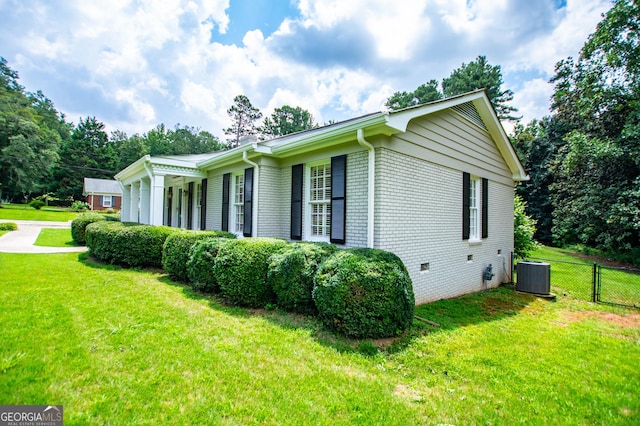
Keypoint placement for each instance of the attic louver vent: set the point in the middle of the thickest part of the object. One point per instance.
(469, 111)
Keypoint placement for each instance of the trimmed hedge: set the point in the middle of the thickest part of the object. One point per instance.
(241, 270)
(291, 272)
(175, 252)
(202, 257)
(8, 226)
(127, 244)
(79, 226)
(364, 293)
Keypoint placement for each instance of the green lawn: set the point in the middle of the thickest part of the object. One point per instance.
(24, 212)
(55, 237)
(118, 346)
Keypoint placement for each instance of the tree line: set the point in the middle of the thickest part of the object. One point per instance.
(584, 158)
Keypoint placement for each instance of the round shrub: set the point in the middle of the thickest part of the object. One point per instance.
(8, 226)
(364, 293)
(241, 270)
(79, 206)
(127, 244)
(291, 272)
(202, 257)
(79, 226)
(37, 204)
(175, 252)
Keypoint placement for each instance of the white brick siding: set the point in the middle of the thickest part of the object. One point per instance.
(419, 218)
(214, 202)
(357, 184)
(272, 209)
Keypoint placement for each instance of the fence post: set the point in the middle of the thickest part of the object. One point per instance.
(594, 290)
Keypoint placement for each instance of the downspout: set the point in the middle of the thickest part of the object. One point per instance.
(370, 188)
(256, 181)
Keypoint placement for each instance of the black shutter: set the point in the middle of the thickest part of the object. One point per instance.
(169, 205)
(203, 205)
(190, 205)
(226, 181)
(485, 208)
(100, 200)
(248, 202)
(466, 203)
(297, 174)
(338, 198)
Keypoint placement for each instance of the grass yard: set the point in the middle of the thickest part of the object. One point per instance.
(118, 346)
(55, 237)
(24, 212)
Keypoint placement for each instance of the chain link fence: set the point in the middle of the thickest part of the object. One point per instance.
(595, 282)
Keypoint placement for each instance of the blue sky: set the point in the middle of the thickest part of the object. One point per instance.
(136, 63)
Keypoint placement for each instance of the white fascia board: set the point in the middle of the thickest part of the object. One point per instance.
(230, 156)
(400, 119)
(375, 124)
(132, 168)
(491, 121)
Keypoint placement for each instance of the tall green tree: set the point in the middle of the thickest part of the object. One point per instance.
(286, 120)
(87, 153)
(479, 74)
(31, 131)
(243, 116)
(586, 161)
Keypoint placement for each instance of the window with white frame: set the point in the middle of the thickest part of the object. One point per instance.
(474, 212)
(107, 201)
(319, 211)
(237, 196)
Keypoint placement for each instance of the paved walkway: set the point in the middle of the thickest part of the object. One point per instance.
(22, 240)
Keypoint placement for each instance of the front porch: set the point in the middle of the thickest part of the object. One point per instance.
(167, 191)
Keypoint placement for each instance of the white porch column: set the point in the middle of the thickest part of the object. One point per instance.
(145, 200)
(157, 200)
(125, 208)
(134, 202)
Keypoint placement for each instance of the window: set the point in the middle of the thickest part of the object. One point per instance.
(320, 201)
(474, 219)
(475, 207)
(107, 201)
(237, 198)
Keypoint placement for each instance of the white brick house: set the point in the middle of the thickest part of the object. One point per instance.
(432, 184)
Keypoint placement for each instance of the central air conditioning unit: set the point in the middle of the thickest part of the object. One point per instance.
(534, 277)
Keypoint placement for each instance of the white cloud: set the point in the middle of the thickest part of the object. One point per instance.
(130, 62)
(141, 109)
(533, 99)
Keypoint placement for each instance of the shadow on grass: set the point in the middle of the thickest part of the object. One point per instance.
(450, 314)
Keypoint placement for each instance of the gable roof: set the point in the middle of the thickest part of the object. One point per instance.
(475, 105)
(101, 186)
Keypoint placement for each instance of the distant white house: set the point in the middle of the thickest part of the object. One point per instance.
(433, 184)
(102, 194)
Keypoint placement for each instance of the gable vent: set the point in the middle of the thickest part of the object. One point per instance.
(469, 111)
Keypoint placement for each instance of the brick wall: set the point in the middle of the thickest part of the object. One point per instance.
(94, 200)
(419, 218)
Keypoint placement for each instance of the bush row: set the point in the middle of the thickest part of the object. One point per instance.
(357, 292)
(127, 244)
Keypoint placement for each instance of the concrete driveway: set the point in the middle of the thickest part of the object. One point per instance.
(22, 240)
